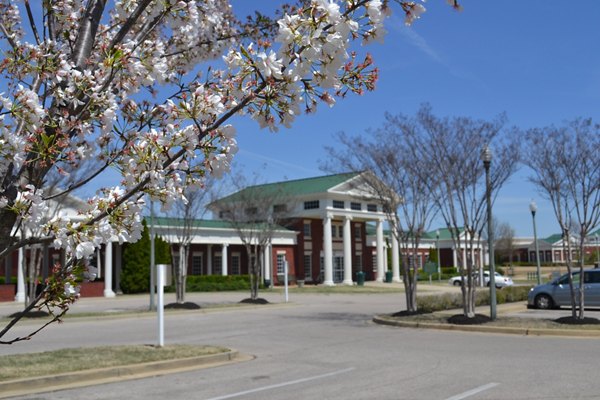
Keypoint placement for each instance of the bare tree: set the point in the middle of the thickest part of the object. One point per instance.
(454, 147)
(254, 211)
(392, 180)
(567, 172)
(187, 213)
(504, 241)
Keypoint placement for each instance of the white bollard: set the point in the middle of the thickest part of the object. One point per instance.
(160, 308)
(285, 279)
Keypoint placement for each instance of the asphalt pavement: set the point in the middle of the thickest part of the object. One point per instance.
(133, 304)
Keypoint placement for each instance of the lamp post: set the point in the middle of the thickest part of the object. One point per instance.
(597, 250)
(533, 209)
(486, 157)
(437, 246)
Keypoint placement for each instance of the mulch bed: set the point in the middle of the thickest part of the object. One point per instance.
(254, 301)
(406, 313)
(30, 314)
(577, 321)
(182, 306)
(461, 319)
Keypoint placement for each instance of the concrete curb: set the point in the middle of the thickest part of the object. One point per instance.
(390, 321)
(77, 379)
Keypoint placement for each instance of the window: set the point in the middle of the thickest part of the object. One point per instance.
(338, 204)
(340, 231)
(372, 207)
(279, 208)
(197, 264)
(280, 262)
(307, 230)
(358, 262)
(356, 206)
(224, 214)
(333, 230)
(235, 264)
(218, 264)
(308, 267)
(357, 233)
(311, 205)
(251, 211)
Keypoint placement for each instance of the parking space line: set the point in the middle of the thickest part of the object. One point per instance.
(278, 385)
(473, 391)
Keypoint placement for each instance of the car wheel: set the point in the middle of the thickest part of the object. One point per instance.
(456, 283)
(543, 302)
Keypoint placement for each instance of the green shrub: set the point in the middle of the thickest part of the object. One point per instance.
(13, 279)
(449, 301)
(214, 283)
(135, 275)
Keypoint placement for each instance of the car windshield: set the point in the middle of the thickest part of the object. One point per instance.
(564, 280)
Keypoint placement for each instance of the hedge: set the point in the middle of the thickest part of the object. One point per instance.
(214, 283)
(449, 301)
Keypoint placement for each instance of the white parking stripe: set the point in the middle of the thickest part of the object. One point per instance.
(278, 385)
(473, 391)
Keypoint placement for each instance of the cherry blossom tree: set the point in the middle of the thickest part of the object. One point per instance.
(129, 85)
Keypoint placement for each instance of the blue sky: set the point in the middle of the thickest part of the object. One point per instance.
(536, 60)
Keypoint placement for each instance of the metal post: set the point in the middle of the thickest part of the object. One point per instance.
(533, 209)
(598, 250)
(285, 279)
(160, 275)
(437, 245)
(152, 260)
(487, 160)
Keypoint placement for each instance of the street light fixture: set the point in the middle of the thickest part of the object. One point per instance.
(533, 209)
(437, 245)
(486, 157)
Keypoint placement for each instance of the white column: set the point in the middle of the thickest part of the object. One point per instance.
(224, 260)
(209, 265)
(20, 296)
(347, 252)
(327, 251)
(108, 292)
(454, 258)
(395, 260)
(98, 264)
(380, 255)
(268, 263)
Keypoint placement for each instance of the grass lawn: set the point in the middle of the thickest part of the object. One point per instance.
(68, 360)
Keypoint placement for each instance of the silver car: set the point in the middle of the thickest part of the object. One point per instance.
(556, 293)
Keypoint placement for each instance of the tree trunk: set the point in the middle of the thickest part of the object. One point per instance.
(180, 275)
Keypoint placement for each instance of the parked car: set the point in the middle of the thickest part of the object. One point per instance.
(501, 281)
(556, 293)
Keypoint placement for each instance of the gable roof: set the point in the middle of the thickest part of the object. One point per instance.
(553, 238)
(296, 187)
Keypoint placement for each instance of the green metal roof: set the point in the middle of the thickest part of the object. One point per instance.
(445, 234)
(296, 187)
(201, 223)
(553, 238)
(196, 223)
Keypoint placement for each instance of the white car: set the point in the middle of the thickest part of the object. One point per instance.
(501, 281)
